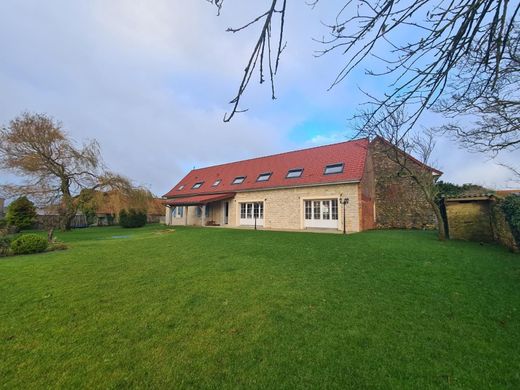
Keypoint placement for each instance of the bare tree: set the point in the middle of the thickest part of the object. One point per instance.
(488, 106)
(266, 52)
(399, 146)
(35, 147)
(437, 59)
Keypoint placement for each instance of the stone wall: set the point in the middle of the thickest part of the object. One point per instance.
(479, 219)
(367, 195)
(469, 220)
(399, 202)
(501, 230)
(283, 208)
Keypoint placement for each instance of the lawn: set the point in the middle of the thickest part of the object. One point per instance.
(219, 308)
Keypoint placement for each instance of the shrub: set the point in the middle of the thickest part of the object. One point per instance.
(5, 245)
(132, 218)
(21, 213)
(511, 208)
(29, 243)
(3, 223)
(57, 246)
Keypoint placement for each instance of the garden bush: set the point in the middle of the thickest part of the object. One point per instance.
(511, 208)
(29, 243)
(57, 246)
(5, 245)
(21, 213)
(132, 218)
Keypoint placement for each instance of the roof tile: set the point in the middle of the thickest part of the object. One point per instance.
(313, 161)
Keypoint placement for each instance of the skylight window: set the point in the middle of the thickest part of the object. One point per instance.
(239, 180)
(197, 185)
(264, 176)
(217, 182)
(293, 173)
(333, 168)
(180, 187)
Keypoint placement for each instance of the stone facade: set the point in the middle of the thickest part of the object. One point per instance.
(399, 202)
(381, 199)
(283, 208)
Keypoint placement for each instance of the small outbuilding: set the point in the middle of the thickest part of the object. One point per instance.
(478, 218)
(469, 217)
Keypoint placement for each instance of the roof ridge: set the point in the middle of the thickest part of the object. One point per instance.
(282, 153)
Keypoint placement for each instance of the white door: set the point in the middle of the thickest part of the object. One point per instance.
(251, 212)
(321, 213)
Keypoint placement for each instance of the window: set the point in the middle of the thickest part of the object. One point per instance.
(197, 185)
(264, 176)
(292, 173)
(180, 211)
(252, 210)
(326, 209)
(317, 214)
(174, 212)
(239, 180)
(333, 168)
(308, 209)
(334, 209)
(180, 187)
(198, 211)
(207, 211)
(217, 182)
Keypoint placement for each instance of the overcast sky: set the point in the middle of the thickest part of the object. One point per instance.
(150, 80)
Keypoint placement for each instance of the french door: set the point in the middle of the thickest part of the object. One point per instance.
(321, 213)
(249, 212)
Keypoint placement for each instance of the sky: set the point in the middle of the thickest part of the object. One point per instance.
(151, 81)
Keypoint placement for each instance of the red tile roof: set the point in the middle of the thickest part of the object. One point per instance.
(507, 192)
(198, 199)
(313, 161)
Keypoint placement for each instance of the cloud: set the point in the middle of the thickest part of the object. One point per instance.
(150, 80)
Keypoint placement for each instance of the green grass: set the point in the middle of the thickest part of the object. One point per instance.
(218, 308)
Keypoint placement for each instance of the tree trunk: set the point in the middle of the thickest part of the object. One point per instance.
(440, 221)
(50, 234)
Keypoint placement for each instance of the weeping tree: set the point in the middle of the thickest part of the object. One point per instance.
(455, 56)
(54, 169)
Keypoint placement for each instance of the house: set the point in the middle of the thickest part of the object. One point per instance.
(107, 206)
(504, 193)
(348, 186)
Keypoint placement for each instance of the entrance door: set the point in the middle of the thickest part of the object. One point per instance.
(321, 213)
(226, 212)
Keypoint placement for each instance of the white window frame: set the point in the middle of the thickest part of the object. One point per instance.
(178, 212)
(321, 213)
(247, 212)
